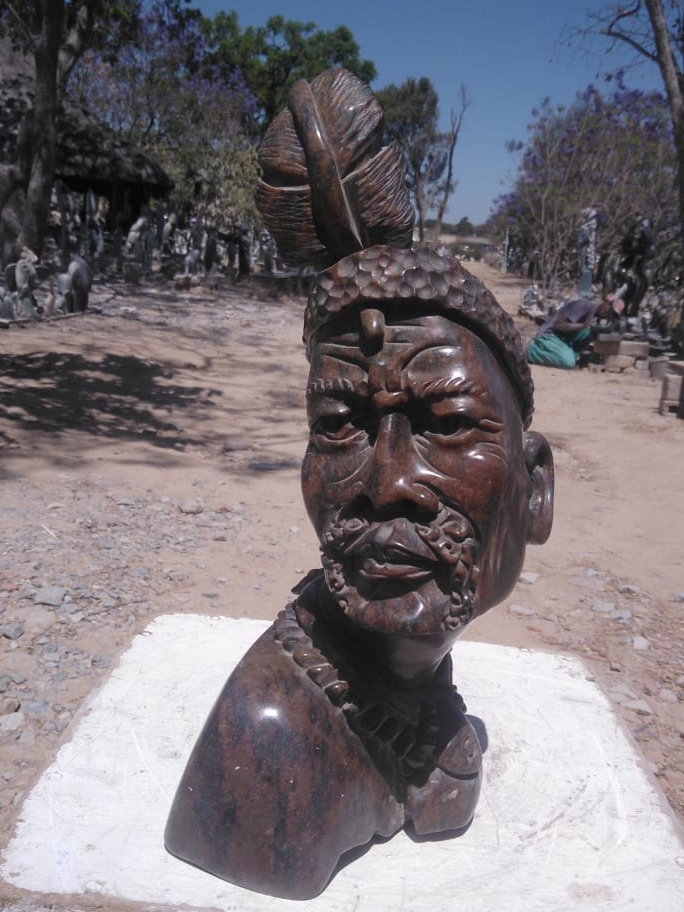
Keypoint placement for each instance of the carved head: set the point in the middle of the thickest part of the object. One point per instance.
(420, 477)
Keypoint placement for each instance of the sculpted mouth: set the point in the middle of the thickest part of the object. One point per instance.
(392, 558)
(372, 569)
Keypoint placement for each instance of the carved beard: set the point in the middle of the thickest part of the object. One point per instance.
(400, 577)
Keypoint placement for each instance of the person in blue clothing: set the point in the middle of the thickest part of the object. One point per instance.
(566, 333)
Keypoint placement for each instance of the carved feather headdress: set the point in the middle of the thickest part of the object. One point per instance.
(329, 187)
(335, 198)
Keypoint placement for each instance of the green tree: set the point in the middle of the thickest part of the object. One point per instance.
(411, 119)
(55, 34)
(159, 93)
(654, 31)
(585, 156)
(464, 227)
(272, 57)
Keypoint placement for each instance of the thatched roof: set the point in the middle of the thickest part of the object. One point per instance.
(89, 153)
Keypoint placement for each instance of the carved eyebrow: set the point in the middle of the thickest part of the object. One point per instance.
(447, 386)
(330, 385)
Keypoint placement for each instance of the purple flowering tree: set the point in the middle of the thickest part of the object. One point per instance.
(162, 95)
(653, 31)
(54, 35)
(614, 154)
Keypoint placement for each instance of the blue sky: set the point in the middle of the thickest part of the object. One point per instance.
(509, 54)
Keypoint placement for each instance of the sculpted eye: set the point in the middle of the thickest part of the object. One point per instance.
(341, 427)
(333, 425)
(448, 425)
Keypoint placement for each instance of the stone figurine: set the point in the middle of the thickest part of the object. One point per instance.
(22, 278)
(586, 240)
(424, 485)
(72, 287)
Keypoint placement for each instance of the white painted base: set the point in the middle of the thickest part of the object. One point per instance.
(568, 820)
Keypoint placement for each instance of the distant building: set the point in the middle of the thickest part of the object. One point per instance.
(89, 155)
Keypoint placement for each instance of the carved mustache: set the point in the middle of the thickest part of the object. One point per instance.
(449, 539)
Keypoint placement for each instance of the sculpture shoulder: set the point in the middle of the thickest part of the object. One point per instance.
(278, 787)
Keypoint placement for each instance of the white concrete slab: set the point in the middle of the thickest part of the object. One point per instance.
(568, 820)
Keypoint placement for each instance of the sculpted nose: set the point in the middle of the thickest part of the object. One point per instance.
(398, 476)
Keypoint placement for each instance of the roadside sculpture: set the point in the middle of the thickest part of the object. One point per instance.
(424, 486)
(586, 240)
(22, 278)
(72, 288)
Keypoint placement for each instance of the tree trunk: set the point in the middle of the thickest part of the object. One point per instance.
(38, 151)
(452, 139)
(673, 81)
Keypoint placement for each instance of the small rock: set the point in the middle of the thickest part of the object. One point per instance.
(640, 643)
(678, 597)
(36, 709)
(639, 706)
(622, 615)
(615, 666)
(11, 723)
(191, 508)
(12, 631)
(234, 444)
(667, 695)
(621, 694)
(5, 683)
(529, 577)
(628, 589)
(604, 607)
(50, 595)
(520, 610)
(27, 738)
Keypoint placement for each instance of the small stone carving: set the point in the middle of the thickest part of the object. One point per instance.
(72, 288)
(22, 279)
(423, 484)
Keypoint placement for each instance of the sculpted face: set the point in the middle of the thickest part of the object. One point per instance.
(415, 476)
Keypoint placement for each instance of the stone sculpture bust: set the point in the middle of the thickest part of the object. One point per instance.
(424, 486)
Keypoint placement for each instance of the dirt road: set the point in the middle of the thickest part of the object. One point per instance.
(150, 458)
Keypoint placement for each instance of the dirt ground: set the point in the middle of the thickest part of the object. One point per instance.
(150, 459)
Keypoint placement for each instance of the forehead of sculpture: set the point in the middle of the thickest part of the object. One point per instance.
(427, 355)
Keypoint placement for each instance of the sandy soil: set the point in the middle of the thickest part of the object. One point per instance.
(150, 457)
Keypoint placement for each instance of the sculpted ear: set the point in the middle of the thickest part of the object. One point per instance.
(539, 462)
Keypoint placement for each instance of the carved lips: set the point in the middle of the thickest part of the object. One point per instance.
(393, 551)
(402, 551)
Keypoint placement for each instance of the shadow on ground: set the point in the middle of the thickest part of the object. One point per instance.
(111, 396)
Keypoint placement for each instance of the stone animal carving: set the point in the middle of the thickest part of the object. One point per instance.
(22, 278)
(423, 484)
(191, 262)
(167, 234)
(140, 239)
(6, 305)
(72, 288)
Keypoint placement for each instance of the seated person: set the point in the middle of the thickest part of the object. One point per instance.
(566, 333)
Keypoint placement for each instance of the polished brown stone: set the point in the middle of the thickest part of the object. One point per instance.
(424, 485)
